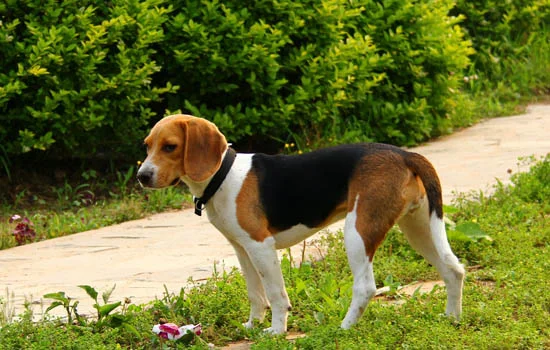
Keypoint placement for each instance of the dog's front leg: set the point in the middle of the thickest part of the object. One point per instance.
(264, 258)
(256, 292)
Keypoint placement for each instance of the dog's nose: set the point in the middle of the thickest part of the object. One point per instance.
(144, 177)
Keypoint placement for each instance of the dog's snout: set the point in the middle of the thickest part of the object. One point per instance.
(145, 177)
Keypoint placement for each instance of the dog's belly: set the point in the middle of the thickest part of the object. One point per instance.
(293, 235)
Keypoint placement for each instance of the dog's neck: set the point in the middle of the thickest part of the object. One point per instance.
(197, 188)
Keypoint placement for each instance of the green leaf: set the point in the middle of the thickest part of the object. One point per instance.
(54, 305)
(319, 317)
(131, 329)
(37, 70)
(57, 296)
(457, 236)
(90, 291)
(467, 232)
(107, 294)
(473, 231)
(106, 309)
(117, 320)
(449, 209)
(300, 286)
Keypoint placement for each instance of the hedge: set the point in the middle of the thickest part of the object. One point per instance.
(76, 75)
(88, 78)
(317, 70)
(502, 30)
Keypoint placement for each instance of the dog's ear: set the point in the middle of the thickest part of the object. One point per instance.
(204, 146)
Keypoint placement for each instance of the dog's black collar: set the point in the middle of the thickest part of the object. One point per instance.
(216, 181)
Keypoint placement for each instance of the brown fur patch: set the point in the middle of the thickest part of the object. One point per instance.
(169, 165)
(250, 214)
(413, 193)
(430, 181)
(385, 187)
(198, 153)
(204, 148)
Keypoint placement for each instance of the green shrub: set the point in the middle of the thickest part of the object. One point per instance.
(318, 70)
(533, 185)
(76, 75)
(84, 79)
(512, 43)
(498, 28)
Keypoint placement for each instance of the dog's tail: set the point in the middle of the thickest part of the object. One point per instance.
(420, 166)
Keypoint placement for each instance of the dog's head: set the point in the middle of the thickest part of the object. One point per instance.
(181, 147)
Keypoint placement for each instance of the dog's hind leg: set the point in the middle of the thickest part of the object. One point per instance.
(256, 292)
(426, 233)
(364, 285)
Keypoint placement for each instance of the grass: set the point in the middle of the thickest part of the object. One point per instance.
(85, 203)
(506, 299)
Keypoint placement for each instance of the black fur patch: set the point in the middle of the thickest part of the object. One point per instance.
(305, 189)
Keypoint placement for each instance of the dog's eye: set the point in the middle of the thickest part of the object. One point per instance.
(169, 148)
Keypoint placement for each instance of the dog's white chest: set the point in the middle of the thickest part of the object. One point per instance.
(222, 211)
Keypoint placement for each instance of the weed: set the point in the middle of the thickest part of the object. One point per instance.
(393, 285)
(122, 181)
(7, 308)
(70, 306)
(24, 229)
(89, 175)
(69, 196)
(105, 318)
(105, 315)
(468, 231)
(104, 310)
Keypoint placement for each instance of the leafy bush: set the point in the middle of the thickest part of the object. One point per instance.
(315, 71)
(511, 40)
(76, 75)
(535, 187)
(362, 70)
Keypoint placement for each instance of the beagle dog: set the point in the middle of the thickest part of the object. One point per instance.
(262, 203)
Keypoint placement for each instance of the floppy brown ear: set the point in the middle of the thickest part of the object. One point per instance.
(204, 146)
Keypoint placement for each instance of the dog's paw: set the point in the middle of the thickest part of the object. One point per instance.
(274, 331)
(248, 325)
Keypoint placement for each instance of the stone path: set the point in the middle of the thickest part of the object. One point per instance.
(142, 256)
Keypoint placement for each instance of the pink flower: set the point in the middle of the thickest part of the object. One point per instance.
(14, 218)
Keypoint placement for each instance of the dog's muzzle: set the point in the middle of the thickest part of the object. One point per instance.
(145, 177)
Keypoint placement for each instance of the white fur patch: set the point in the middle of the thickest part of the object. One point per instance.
(364, 286)
(222, 208)
(149, 166)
